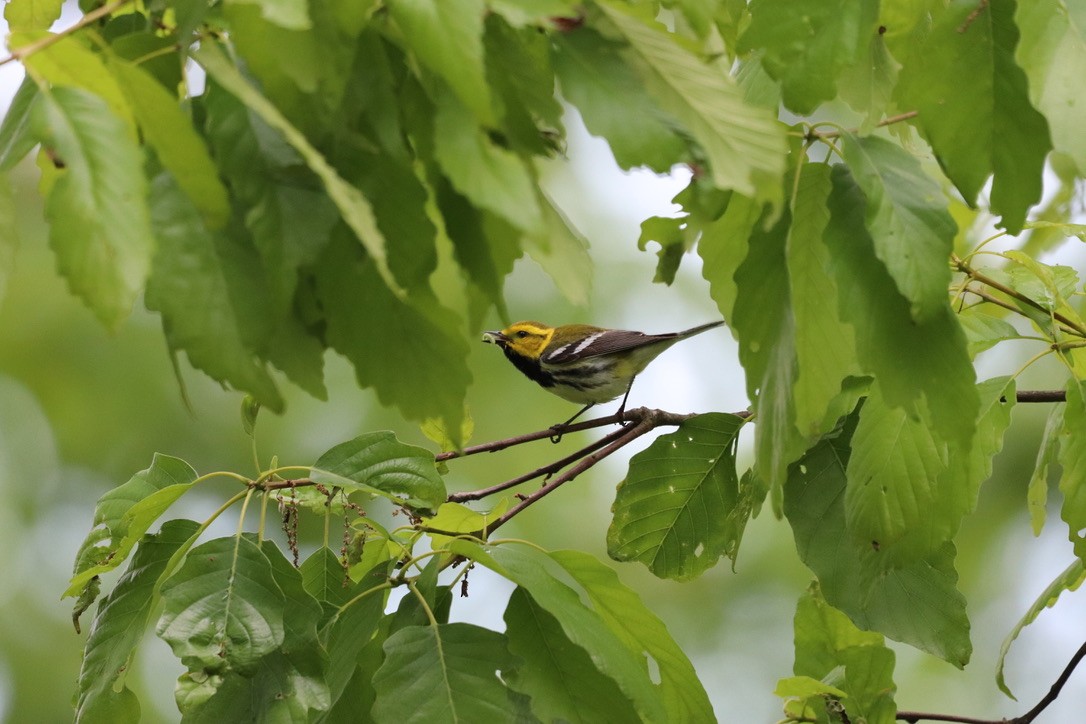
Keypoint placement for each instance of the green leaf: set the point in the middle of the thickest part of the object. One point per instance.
(558, 675)
(351, 203)
(887, 335)
(352, 629)
(892, 501)
(806, 45)
(381, 464)
(223, 610)
(917, 603)
(763, 323)
(119, 627)
(1072, 459)
(9, 240)
(744, 144)
(32, 14)
(562, 252)
(825, 348)
(1037, 492)
(827, 642)
(442, 673)
(428, 335)
(67, 64)
(723, 247)
(531, 12)
(16, 135)
(1069, 580)
(492, 177)
(681, 506)
(643, 632)
(668, 233)
(965, 68)
(290, 14)
(124, 514)
(983, 330)
(868, 85)
(447, 38)
(1052, 52)
(323, 577)
(613, 103)
(1048, 285)
(609, 650)
(97, 208)
(907, 218)
(207, 287)
(177, 145)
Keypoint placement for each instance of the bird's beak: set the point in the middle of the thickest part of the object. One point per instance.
(495, 337)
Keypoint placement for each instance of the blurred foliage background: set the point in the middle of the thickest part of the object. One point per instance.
(81, 410)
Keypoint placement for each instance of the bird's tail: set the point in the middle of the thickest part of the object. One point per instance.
(699, 329)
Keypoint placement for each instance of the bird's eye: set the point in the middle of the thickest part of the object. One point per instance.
(522, 334)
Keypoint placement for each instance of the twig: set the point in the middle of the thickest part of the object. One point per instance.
(46, 41)
(543, 470)
(1027, 718)
(888, 121)
(1041, 396)
(628, 436)
(635, 415)
(972, 273)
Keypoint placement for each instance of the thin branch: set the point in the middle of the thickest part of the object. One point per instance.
(628, 436)
(888, 121)
(994, 284)
(1053, 693)
(1041, 396)
(91, 17)
(635, 415)
(547, 469)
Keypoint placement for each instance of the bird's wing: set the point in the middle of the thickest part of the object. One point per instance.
(603, 342)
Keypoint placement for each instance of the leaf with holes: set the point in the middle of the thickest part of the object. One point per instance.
(681, 506)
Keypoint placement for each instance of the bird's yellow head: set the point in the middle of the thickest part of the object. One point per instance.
(525, 339)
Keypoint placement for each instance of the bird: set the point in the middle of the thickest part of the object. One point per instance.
(581, 363)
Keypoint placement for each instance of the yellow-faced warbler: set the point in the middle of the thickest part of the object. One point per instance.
(581, 363)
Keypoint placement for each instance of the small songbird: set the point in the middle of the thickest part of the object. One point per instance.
(581, 363)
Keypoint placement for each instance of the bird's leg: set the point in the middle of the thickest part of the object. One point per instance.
(560, 427)
(622, 407)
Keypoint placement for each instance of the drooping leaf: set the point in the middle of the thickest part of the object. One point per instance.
(352, 629)
(492, 177)
(824, 345)
(66, 63)
(892, 499)
(868, 85)
(16, 134)
(681, 506)
(97, 207)
(1072, 457)
(984, 330)
(124, 514)
(562, 252)
(965, 68)
(426, 334)
(806, 45)
(743, 143)
(559, 676)
(907, 218)
(353, 206)
(581, 625)
(613, 101)
(1069, 580)
(208, 287)
(723, 246)
(1037, 492)
(442, 673)
(917, 604)
(223, 610)
(829, 647)
(1052, 52)
(119, 627)
(887, 335)
(177, 145)
(679, 688)
(381, 464)
(447, 38)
